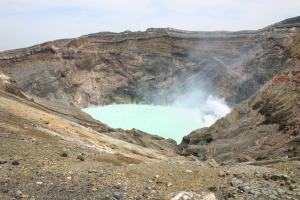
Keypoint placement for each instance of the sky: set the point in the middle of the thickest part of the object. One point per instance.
(27, 22)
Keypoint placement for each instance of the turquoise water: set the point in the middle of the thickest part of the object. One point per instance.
(165, 121)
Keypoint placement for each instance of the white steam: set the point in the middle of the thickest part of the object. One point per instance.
(208, 108)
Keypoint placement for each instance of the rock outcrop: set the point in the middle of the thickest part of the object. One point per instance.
(152, 66)
(267, 125)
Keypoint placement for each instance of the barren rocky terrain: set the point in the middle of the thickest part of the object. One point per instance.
(50, 149)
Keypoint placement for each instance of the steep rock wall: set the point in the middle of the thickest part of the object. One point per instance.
(152, 66)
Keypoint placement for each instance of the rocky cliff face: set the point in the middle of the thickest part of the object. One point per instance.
(267, 125)
(152, 66)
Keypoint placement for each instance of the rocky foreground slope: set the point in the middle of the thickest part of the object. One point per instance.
(51, 153)
(50, 149)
